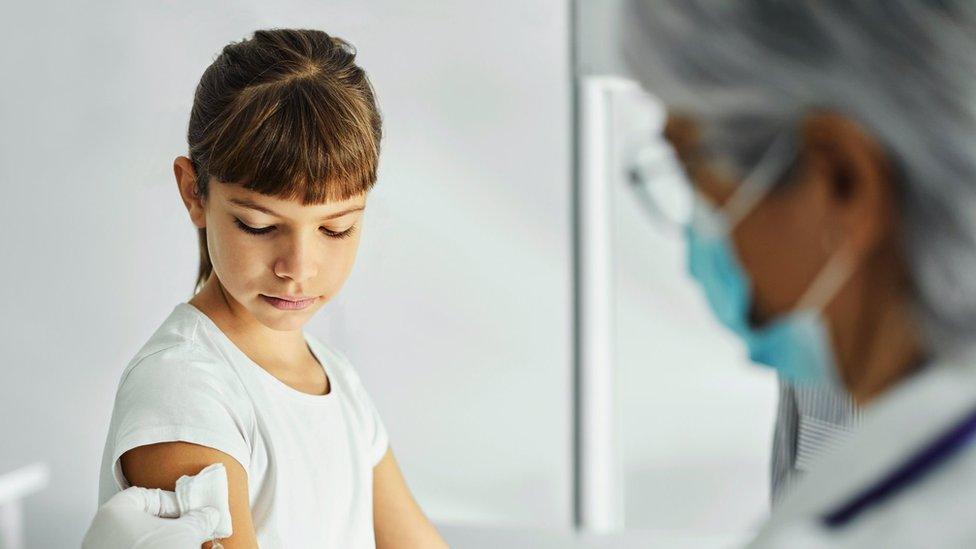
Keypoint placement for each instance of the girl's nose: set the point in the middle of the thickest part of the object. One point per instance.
(296, 261)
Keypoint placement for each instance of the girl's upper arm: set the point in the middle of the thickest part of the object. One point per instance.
(160, 465)
(397, 519)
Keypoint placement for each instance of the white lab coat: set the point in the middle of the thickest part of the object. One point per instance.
(936, 510)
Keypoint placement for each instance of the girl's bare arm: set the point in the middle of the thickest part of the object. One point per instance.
(160, 465)
(398, 522)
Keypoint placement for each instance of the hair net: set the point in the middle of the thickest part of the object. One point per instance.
(905, 70)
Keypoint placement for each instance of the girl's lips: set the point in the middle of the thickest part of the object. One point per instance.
(288, 305)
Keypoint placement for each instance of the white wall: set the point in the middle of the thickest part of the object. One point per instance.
(457, 315)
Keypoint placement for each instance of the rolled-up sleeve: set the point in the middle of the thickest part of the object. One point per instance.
(172, 396)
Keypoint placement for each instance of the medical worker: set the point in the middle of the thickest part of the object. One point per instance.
(829, 150)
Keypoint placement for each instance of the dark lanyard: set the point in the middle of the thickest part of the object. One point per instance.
(911, 471)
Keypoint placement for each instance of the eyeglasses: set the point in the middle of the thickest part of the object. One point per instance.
(666, 192)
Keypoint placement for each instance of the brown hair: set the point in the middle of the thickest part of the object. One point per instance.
(286, 113)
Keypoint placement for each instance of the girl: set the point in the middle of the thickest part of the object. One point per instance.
(283, 149)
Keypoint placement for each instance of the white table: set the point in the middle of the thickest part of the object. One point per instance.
(486, 537)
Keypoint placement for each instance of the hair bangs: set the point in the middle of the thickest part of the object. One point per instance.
(296, 141)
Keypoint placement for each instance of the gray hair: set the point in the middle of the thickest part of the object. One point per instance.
(905, 70)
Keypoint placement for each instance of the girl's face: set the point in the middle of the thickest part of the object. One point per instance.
(277, 259)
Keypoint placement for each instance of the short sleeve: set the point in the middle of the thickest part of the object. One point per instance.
(179, 394)
(375, 430)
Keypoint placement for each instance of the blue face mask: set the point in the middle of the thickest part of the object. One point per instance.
(797, 344)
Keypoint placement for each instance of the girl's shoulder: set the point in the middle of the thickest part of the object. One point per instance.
(179, 387)
(177, 351)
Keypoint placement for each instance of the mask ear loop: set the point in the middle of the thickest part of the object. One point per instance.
(761, 179)
(828, 282)
(720, 221)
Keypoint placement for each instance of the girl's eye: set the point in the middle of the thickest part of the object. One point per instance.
(344, 234)
(265, 230)
(253, 230)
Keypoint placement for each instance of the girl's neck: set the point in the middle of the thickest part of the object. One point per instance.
(262, 344)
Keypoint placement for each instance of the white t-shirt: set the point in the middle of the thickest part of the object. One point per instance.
(309, 459)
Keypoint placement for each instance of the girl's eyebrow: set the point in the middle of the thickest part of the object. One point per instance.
(254, 206)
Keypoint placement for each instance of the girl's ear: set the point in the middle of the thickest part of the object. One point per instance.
(186, 181)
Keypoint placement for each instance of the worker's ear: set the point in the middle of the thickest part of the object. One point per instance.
(186, 181)
(856, 178)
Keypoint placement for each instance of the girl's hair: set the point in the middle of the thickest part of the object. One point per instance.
(286, 113)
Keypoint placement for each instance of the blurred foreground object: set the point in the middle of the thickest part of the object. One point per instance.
(14, 487)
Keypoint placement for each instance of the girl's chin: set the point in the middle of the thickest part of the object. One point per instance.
(283, 324)
(281, 320)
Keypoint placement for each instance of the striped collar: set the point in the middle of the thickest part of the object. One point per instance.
(893, 430)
